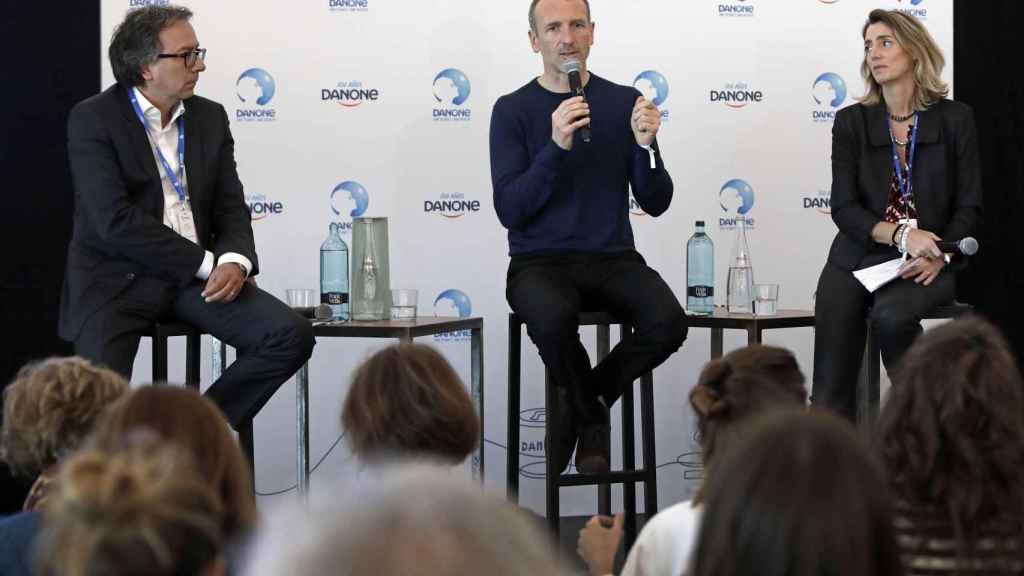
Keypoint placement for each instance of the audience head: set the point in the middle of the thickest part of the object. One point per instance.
(739, 385)
(183, 417)
(50, 407)
(418, 520)
(407, 401)
(952, 430)
(139, 510)
(797, 495)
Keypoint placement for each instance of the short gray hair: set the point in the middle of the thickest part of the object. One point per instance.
(136, 40)
(412, 518)
(533, 17)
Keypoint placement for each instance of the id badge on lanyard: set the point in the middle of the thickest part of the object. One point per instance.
(181, 211)
(905, 180)
(186, 222)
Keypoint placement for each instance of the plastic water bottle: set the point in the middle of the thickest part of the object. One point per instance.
(334, 273)
(700, 273)
(740, 286)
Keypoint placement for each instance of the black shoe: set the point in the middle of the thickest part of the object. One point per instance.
(594, 452)
(563, 429)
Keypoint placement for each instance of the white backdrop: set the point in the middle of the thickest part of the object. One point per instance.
(383, 106)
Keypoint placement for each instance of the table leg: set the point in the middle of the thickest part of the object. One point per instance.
(302, 432)
(753, 335)
(716, 342)
(477, 392)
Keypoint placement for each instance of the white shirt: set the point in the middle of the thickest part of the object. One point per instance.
(664, 545)
(166, 138)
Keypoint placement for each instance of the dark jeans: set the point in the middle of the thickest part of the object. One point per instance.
(841, 306)
(549, 292)
(271, 339)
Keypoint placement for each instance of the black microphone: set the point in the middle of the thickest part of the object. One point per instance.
(572, 68)
(968, 246)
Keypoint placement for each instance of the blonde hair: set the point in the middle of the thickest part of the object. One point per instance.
(928, 60)
(141, 510)
(50, 407)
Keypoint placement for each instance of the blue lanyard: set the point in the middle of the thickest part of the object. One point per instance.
(905, 185)
(174, 178)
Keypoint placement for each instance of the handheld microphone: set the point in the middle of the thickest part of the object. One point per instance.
(572, 69)
(967, 247)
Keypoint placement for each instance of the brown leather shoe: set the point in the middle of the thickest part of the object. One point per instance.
(594, 452)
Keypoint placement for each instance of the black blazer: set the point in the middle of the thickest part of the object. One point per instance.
(947, 175)
(119, 204)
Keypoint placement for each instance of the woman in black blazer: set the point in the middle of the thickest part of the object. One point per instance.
(905, 173)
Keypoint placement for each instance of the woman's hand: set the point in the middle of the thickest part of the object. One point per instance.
(921, 243)
(923, 270)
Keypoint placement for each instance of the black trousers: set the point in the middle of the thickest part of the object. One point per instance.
(272, 341)
(549, 292)
(841, 306)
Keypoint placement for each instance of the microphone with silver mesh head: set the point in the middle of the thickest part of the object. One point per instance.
(572, 69)
(968, 246)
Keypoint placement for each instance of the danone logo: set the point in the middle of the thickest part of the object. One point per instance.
(654, 87)
(348, 5)
(349, 198)
(454, 205)
(739, 8)
(451, 91)
(822, 202)
(736, 95)
(453, 303)
(260, 206)
(736, 199)
(829, 93)
(919, 13)
(255, 89)
(349, 94)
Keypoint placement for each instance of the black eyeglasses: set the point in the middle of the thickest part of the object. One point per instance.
(190, 57)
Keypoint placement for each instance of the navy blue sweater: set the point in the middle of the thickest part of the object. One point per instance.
(557, 202)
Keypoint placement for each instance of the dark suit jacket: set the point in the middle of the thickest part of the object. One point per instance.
(119, 204)
(947, 176)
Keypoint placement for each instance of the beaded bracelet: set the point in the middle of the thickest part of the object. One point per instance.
(895, 233)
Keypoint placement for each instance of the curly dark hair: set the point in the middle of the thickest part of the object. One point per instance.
(951, 434)
(136, 40)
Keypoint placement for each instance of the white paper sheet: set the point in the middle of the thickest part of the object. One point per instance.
(874, 277)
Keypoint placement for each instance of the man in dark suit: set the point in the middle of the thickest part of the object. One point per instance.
(161, 228)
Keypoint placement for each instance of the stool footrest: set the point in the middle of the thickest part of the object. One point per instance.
(615, 477)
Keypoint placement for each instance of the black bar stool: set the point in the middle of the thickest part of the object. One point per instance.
(193, 338)
(554, 480)
(869, 381)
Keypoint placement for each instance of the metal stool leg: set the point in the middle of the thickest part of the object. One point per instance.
(514, 382)
(159, 355)
(193, 354)
(604, 490)
(647, 432)
(628, 453)
(551, 476)
(245, 441)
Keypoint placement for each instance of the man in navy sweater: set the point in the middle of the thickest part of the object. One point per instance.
(565, 204)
